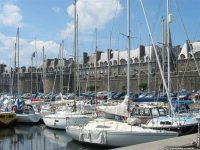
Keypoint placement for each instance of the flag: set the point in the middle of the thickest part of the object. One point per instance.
(70, 62)
(33, 55)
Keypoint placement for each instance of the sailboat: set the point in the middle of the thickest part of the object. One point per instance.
(24, 112)
(184, 124)
(67, 117)
(113, 133)
(7, 119)
(64, 118)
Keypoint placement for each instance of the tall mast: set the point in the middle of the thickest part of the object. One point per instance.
(62, 65)
(157, 58)
(149, 66)
(43, 70)
(13, 86)
(139, 59)
(36, 67)
(129, 45)
(96, 68)
(109, 51)
(31, 75)
(78, 71)
(18, 61)
(75, 52)
(168, 48)
(163, 48)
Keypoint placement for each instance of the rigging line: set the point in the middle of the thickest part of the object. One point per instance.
(187, 37)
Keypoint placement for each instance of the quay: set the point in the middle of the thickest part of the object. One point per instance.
(177, 143)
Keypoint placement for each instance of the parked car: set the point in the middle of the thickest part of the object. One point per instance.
(183, 94)
(102, 94)
(194, 95)
(119, 95)
(88, 94)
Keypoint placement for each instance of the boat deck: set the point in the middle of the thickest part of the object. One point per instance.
(167, 144)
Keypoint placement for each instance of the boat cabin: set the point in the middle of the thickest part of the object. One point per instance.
(146, 113)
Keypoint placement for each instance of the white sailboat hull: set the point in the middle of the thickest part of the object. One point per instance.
(184, 125)
(60, 121)
(116, 134)
(28, 118)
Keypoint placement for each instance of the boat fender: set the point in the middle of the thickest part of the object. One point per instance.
(133, 121)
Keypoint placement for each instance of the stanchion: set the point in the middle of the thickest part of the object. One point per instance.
(198, 133)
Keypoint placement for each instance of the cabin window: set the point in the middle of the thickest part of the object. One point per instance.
(147, 112)
(135, 112)
(155, 112)
(142, 112)
(162, 111)
(165, 123)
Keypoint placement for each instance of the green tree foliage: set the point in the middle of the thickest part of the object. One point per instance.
(143, 86)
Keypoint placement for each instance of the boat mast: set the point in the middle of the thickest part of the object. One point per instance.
(157, 58)
(139, 59)
(129, 45)
(109, 53)
(61, 67)
(75, 52)
(163, 48)
(13, 79)
(168, 47)
(149, 66)
(32, 73)
(17, 41)
(78, 69)
(36, 67)
(95, 82)
(43, 70)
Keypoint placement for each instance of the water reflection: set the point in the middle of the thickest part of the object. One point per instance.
(26, 137)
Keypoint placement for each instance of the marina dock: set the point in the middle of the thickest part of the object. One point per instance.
(181, 142)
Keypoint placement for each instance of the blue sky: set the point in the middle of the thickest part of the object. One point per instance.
(48, 22)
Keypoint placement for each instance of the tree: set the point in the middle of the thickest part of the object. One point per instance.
(123, 88)
(65, 88)
(91, 87)
(143, 86)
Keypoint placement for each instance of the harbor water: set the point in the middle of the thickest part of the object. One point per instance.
(39, 137)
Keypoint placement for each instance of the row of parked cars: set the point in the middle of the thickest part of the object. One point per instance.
(183, 94)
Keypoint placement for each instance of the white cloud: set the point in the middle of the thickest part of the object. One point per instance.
(56, 9)
(10, 15)
(26, 49)
(92, 14)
